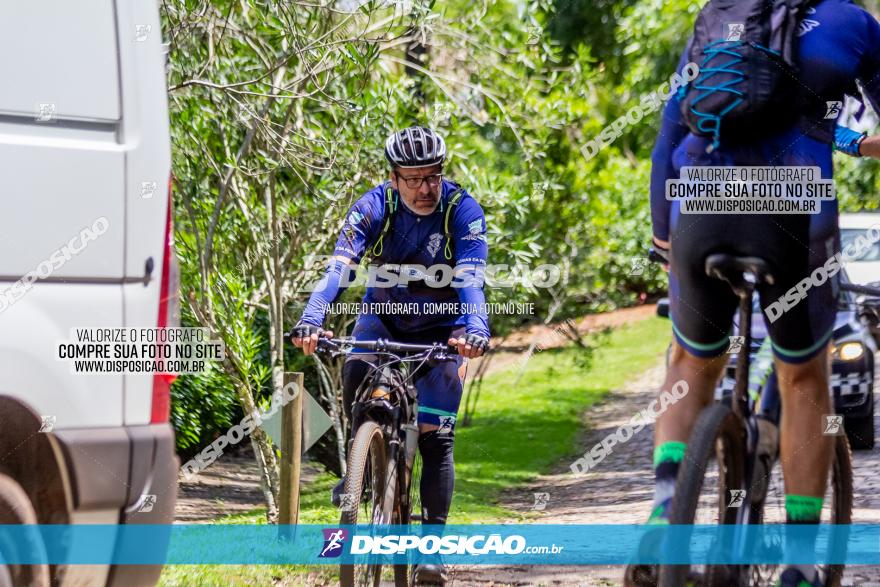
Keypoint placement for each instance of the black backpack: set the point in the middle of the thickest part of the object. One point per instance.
(747, 84)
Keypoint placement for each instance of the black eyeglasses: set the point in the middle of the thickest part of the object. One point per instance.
(415, 183)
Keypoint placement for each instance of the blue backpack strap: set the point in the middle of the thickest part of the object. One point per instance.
(454, 199)
(390, 210)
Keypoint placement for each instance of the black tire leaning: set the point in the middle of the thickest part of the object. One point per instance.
(841, 504)
(407, 498)
(368, 447)
(720, 433)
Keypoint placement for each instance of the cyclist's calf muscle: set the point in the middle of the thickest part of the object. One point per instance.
(803, 389)
(701, 374)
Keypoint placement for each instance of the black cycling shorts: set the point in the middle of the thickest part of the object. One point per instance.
(799, 318)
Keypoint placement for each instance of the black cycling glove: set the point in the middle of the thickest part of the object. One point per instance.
(478, 342)
(658, 254)
(303, 330)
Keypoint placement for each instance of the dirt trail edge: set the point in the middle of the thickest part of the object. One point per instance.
(619, 491)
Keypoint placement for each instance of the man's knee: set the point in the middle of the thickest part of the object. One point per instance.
(353, 373)
(808, 377)
(436, 445)
(680, 358)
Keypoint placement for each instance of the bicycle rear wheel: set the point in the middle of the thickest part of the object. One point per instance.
(842, 498)
(366, 498)
(713, 464)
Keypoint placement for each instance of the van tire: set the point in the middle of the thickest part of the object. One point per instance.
(16, 508)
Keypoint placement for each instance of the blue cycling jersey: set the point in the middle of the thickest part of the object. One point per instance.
(838, 44)
(414, 240)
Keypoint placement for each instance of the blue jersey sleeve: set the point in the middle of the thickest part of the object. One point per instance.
(672, 132)
(471, 254)
(363, 223)
(869, 66)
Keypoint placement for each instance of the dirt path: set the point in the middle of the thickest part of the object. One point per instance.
(619, 491)
(231, 485)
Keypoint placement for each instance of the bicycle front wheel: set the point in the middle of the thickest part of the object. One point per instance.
(713, 466)
(366, 497)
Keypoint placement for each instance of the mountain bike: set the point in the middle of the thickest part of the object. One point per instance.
(733, 450)
(383, 467)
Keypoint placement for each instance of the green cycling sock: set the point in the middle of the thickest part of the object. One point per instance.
(803, 509)
(667, 461)
(669, 452)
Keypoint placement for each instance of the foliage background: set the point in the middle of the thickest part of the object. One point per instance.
(278, 114)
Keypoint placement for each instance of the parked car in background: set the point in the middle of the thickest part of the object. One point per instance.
(852, 365)
(864, 268)
(85, 160)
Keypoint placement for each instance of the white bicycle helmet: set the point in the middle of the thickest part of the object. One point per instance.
(415, 146)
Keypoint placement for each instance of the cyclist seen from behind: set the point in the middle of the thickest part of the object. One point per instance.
(829, 45)
(416, 218)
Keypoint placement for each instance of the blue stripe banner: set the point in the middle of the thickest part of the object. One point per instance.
(533, 544)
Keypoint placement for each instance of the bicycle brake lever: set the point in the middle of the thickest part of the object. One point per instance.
(326, 346)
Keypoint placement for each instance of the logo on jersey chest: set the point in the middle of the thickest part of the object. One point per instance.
(434, 243)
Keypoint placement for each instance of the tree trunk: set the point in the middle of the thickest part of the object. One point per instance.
(262, 447)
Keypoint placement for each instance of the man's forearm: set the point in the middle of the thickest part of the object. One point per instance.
(472, 298)
(870, 147)
(326, 291)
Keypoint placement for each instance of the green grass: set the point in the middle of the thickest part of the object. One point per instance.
(315, 508)
(518, 432)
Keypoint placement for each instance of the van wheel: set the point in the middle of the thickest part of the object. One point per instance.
(16, 508)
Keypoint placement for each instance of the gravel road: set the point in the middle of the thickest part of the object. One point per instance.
(619, 491)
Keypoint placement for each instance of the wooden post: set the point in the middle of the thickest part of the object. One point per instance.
(291, 451)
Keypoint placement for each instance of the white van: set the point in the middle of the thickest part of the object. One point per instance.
(85, 173)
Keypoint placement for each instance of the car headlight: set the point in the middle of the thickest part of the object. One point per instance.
(850, 351)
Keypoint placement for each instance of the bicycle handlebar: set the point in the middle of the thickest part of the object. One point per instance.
(861, 289)
(385, 345)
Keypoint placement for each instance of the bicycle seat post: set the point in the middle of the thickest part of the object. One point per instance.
(743, 358)
(742, 274)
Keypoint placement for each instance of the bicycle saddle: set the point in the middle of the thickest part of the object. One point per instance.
(731, 268)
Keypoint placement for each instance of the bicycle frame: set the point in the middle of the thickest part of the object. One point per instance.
(741, 403)
(397, 409)
(766, 405)
(756, 416)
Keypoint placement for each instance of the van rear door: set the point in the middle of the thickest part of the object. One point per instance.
(62, 171)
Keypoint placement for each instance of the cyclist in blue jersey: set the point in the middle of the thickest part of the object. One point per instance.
(431, 235)
(838, 44)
